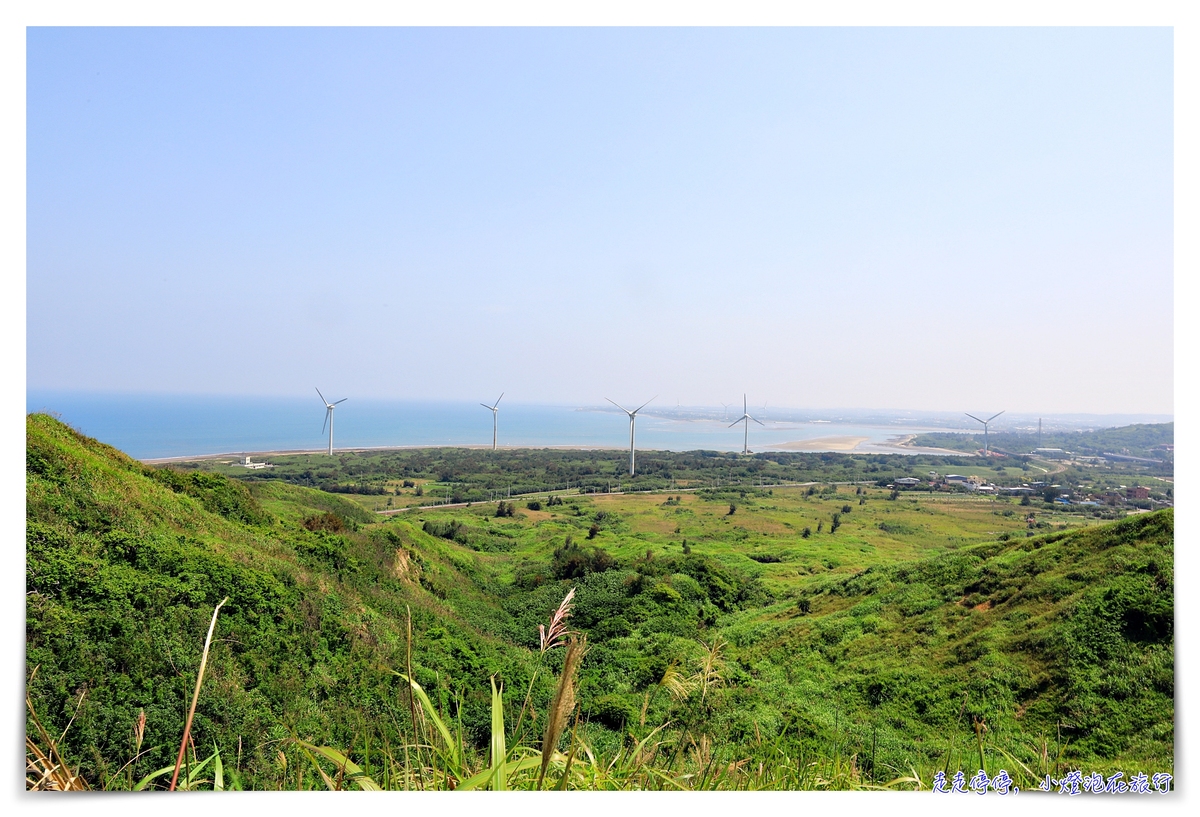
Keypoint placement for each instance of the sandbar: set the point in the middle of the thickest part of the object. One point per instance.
(823, 444)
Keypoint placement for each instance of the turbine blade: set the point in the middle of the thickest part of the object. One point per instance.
(326, 422)
(760, 422)
(973, 417)
(618, 405)
(735, 422)
(997, 414)
(498, 399)
(643, 405)
(486, 406)
(745, 408)
(323, 400)
(343, 400)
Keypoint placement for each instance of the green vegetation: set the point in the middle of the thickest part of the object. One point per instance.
(1152, 441)
(457, 475)
(815, 636)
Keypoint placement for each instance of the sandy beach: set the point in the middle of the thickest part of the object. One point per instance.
(903, 445)
(822, 444)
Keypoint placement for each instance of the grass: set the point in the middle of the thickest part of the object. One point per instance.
(931, 632)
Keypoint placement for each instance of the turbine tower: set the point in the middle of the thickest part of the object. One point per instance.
(632, 419)
(746, 418)
(494, 410)
(985, 427)
(329, 417)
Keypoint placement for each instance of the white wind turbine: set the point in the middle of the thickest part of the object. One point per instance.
(329, 407)
(746, 418)
(494, 410)
(985, 427)
(632, 419)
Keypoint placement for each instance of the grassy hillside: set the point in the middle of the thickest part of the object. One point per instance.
(124, 567)
(886, 647)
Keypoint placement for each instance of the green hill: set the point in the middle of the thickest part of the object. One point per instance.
(1059, 644)
(1146, 440)
(1065, 639)
(125, 563)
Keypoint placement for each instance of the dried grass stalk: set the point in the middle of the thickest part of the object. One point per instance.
(563, 703)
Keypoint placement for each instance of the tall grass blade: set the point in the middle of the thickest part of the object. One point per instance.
(499, 753)
(347, 768)
(218, 771)
(45, 769)
(187, 728)
(145, 781)
(483, 778)
(453, 750)
(412, 707)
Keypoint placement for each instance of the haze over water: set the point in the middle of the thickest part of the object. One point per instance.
(148, 427)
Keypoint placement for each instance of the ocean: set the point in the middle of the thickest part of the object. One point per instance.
(158, 426)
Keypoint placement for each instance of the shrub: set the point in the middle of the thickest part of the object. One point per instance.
(574, 562)
(328, 521)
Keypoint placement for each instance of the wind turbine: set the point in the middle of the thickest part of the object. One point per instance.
(985, 427)
(745, 418)
(632, 419)
(494, 410)
(329, 407)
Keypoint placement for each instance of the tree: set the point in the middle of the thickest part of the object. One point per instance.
(835, 523)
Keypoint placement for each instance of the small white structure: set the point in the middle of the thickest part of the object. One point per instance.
(254, 466)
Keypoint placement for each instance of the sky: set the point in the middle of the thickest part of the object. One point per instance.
(927, 219)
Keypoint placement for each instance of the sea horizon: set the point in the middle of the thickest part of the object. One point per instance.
(173, 426)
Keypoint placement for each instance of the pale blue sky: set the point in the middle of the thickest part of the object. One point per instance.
(934, 219)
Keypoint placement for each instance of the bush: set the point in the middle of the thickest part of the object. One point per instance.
(533, 505)
(574, 562)
(328, 521)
